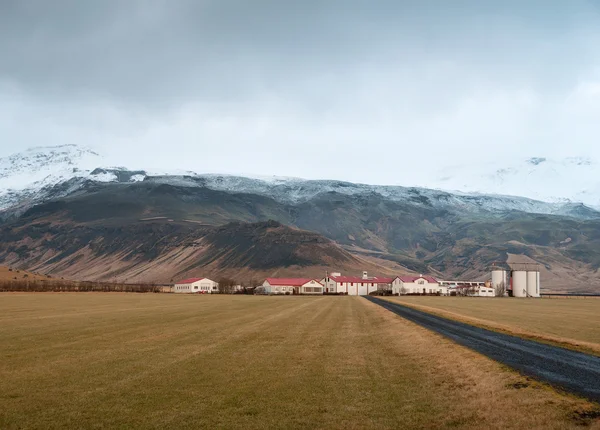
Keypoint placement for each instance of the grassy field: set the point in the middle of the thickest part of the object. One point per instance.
(112, 360)
(573, 322)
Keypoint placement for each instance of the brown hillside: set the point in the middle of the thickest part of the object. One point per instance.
(10, 274)
(160, 251)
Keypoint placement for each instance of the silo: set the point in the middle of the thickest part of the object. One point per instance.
(519, 283)
(533, 283)
(498, 278)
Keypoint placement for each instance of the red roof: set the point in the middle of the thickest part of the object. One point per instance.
(291, 282)
(190, 280)
(375, 280)
(411, 279)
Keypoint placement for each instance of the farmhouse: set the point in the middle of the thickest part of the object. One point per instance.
(292, 286)
(353, 285)
(196, 285)
(418, 285)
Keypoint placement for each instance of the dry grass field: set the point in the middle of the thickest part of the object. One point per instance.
(571, 322)
(113, 360)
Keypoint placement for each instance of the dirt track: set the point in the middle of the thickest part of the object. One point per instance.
(573, 371)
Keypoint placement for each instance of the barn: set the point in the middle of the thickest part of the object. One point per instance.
(196, 285)
(292, 286)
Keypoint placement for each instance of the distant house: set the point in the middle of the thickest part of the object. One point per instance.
(292, 286)
(196, 285)
(355, 285)
(481, 291)
(418, 285)
(463, 288)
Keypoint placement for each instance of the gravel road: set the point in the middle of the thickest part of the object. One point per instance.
(573, 371)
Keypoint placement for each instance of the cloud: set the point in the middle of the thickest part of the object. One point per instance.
(336, 89)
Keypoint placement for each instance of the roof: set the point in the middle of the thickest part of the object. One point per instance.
(292, 282)
(357, 279)
(411, 279)
(190, 280)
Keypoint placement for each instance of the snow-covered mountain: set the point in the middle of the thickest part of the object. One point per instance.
(291, 190)
(38, 174)
(573, 179)
(30, 176)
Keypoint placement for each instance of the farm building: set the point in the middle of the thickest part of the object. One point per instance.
(292, 286)
(354, 285)
(483, 291)
(418, 285)
(454, 284)
(477, 289)
(196, 285)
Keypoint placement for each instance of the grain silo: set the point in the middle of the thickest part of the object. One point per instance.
(533, 283)
(498, 279)
(519, 283)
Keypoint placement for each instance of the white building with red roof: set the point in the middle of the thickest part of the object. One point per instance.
(355, 285)
(418, 285)
(292, 286)
(196, 285)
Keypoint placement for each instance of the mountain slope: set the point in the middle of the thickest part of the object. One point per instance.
(162, 251)
(111, 220)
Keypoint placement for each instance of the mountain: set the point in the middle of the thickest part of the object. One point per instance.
(161, 250)
(136, 225)
(44, 173)
(570, 179)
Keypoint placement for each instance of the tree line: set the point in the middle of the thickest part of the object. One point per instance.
(64, 286)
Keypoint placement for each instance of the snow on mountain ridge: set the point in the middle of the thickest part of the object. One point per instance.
(571, 179)
(25, 176)
(299, 190)
(32, 177)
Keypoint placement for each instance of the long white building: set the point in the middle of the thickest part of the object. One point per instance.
(354, 285)
(196, 285)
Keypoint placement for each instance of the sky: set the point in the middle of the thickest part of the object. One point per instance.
(367, 91)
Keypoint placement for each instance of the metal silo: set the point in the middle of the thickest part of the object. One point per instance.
(519, 283)
(498, 278)
(533, 283)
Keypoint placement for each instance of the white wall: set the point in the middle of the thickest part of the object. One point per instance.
(277, 289)
(205, 286)
(485, 292)
(312, 287)
(418, 286)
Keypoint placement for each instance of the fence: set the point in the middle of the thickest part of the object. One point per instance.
(569, 296)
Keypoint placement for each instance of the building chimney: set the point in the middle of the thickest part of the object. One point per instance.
(365, 275)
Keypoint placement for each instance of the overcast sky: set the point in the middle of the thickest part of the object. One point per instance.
(346, 89)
